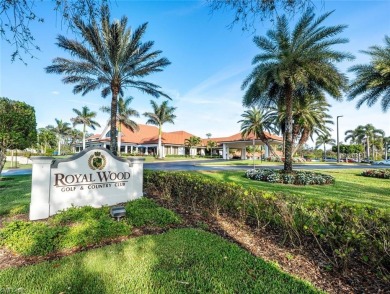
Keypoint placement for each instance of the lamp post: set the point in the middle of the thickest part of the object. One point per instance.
(338, 145)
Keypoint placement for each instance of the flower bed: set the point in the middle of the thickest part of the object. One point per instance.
(377, 173)
(295, 178)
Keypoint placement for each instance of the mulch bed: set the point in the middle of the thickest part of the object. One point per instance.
(304, 262)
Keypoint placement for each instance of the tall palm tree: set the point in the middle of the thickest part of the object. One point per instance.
(310, 118)
(85, 118)
(257, 122)
(74, 137)
(110, 57)
(291, 60)
(372, 81)
(192, 142)
(161, 114)
(124, 114)
(325, 139)
(61, 129)
(367, 134)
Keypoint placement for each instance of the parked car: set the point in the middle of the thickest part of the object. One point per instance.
(350, 160)
(366, 160)
(385, 161)
(329, 159)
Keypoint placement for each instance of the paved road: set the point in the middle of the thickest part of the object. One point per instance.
(192, 165)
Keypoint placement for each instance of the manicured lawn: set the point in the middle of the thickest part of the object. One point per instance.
(7, 165)
(349, 187)
(246, 162)
(179, 261)
(15, 193)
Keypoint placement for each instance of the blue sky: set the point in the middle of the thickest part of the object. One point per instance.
(209, 63)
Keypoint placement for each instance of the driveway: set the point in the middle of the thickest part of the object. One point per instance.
(191, 165)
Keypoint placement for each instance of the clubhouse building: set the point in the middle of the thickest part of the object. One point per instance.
(145, 141)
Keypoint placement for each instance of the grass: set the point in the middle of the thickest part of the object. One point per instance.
(7, 165)
(15, 194)
(349, 187)
(247, 162)
(179, 261)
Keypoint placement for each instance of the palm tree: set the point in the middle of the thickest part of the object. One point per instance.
(210, 145)
(325, 139)
(123, 117)
(74, 137)
(208, 135)
(111, 57)
(310, 118)
(372, 80)
(257, 122)
(367, 134)
(386, 143)
(85, 118)
(289, 61)
(61, 129)
(161, 114)
(192, 142)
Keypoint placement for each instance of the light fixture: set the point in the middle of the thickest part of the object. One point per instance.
(118, 212)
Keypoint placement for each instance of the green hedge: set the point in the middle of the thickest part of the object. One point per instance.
(80, 227)
(343, 232)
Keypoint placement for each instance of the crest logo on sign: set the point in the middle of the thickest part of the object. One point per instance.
(97, 161)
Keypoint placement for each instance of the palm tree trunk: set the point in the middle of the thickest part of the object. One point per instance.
(368, 147)
(324, 152)
(289, 123)
(119, 138)
(114, 106)
(59, 145)
(84, 137)
(159, 151)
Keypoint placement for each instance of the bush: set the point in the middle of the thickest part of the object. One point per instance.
(295, 178)
(377, 173)
(146, 212)
(80, 227)
(343, 232)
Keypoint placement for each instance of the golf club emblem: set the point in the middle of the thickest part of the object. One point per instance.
(97, 161)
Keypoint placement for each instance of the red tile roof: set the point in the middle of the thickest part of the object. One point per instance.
(148, 134)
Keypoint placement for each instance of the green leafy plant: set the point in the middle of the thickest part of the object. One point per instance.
(295, 178)
(342, 232)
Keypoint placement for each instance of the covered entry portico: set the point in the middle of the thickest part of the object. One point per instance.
(241, 145)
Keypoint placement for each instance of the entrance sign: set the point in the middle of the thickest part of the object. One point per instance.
(93, 177)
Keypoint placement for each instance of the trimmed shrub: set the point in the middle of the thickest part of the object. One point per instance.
(296, 177)
(377, 173)
(146, 212)
(343, 232)
(80, 227)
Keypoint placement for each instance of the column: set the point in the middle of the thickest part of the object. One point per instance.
(137, 166)
(224, 152)
(266, 151)
(40, 187)
(243, 153)
(126, 148)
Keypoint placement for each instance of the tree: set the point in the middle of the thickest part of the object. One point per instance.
(372, 81)
(124, 114)
(325, 140)
(73, 137)
(367, 134)
(257, 122)
(61, 129)
(111, 57)
(310, 118)
(208, 135)
(46, 138)
(17, 15)
(210, 145)
(192, 142)
(386, 143)
(302, 59)
(249, 12)
(17, 127)
(85, 118)
(161, 114)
